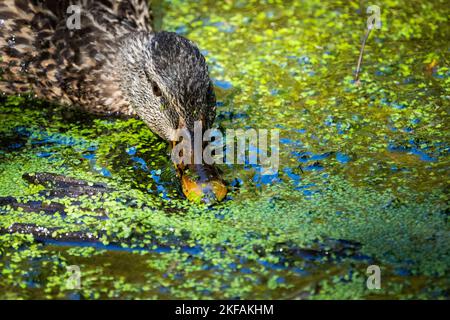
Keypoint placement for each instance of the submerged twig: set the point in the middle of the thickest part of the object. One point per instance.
(361, 53)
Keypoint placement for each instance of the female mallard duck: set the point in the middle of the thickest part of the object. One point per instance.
(110, 62)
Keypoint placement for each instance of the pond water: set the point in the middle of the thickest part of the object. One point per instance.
(363, 177)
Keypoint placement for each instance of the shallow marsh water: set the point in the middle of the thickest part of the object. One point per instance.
(363, 173)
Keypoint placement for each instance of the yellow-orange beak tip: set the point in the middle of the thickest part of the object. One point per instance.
(203, 188)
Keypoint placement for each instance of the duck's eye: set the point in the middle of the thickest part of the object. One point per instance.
(156, 90)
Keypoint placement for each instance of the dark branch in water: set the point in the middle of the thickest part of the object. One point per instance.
(288, 252)
(65, 186)
(42, 233)
(361, 53)
(58, 235)
(45, 207)
(60, 186)
(33, 206)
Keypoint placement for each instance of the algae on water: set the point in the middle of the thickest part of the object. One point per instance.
(363, 173)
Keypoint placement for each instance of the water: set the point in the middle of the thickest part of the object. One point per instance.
(363, 169)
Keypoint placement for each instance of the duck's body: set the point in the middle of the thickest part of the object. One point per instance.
(112, 62)
(77, 67)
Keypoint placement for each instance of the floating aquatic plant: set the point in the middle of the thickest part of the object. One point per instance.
(362, 179)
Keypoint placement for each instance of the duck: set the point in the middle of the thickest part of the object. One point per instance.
(105, 57)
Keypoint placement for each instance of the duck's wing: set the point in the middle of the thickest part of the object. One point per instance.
(41, 54)
(138, 12)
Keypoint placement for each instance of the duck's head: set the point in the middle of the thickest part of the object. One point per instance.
(165, 78)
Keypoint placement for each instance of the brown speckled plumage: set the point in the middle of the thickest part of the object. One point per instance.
(114, 64)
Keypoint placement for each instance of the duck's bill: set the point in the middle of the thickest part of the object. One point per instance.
(202, 183)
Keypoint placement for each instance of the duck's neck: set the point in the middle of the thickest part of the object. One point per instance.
(130, 59)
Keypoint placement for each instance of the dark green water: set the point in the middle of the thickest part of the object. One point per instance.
(363, 173)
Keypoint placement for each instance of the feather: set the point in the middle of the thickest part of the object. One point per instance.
(40, 54)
